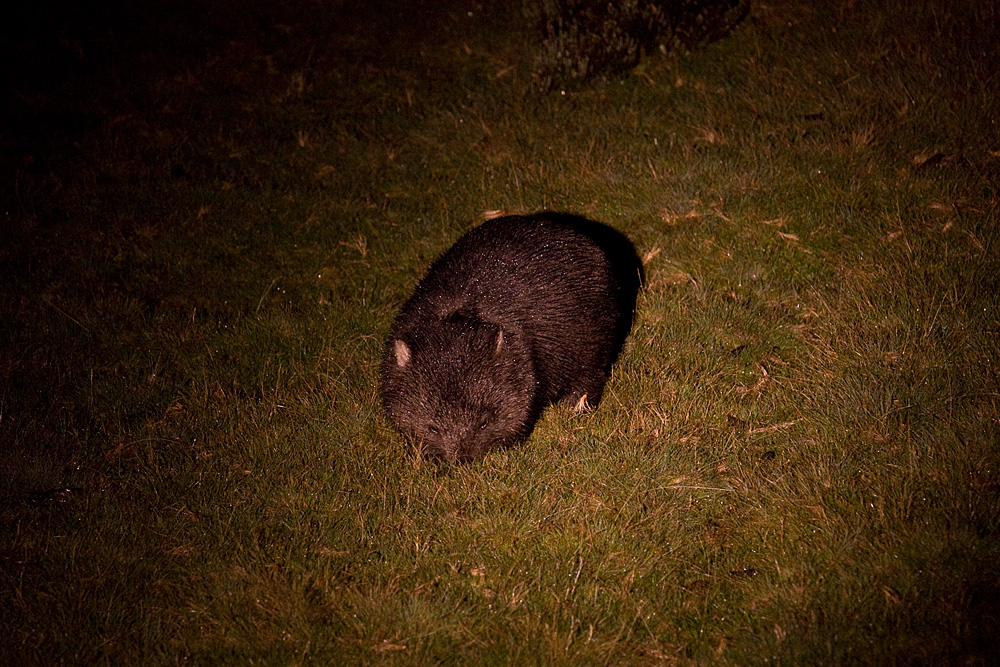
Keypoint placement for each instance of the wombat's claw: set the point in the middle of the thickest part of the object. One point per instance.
(581, 405)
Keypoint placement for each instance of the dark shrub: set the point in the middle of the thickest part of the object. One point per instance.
(583, 39)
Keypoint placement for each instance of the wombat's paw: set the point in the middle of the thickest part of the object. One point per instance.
(581, 405)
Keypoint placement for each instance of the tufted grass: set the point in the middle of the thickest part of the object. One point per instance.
(212, 213)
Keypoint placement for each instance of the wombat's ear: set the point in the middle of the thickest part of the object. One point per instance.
(402, 353)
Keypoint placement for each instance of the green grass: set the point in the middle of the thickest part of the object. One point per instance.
(211, 216)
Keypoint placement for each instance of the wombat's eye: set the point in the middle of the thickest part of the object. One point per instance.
(431, 428)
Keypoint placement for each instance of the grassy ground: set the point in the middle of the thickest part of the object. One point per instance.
(211, 215)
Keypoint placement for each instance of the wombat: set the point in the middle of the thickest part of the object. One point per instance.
(521, 312)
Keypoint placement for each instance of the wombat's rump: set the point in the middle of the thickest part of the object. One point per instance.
(521, 312)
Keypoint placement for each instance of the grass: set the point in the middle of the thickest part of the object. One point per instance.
(211, 215)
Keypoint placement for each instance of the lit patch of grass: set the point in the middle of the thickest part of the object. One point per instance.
(795, 460)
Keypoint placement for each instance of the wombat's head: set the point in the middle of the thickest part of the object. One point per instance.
(459, 387)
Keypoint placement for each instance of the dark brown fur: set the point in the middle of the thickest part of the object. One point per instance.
(521, 312)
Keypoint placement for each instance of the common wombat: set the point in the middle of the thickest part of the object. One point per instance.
(521, 312)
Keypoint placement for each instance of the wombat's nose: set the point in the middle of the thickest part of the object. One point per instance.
(457, 452)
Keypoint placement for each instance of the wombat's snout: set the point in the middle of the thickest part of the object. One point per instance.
(453, 444)
(443, 453)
